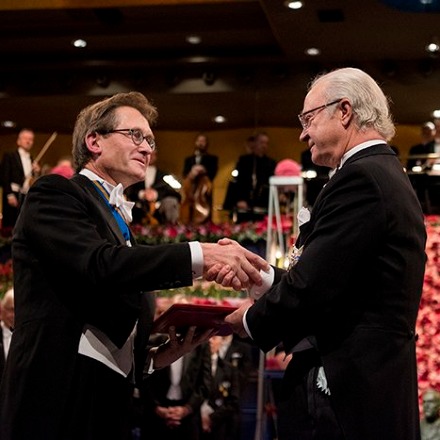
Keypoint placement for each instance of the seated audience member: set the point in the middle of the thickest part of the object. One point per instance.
(231, 363)
(252, 183)
(430, 424)
(6, 326)
(199, 171)
(155, 200)
(172, 396)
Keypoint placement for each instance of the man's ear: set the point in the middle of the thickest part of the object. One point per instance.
(92, 143)
(346, 111)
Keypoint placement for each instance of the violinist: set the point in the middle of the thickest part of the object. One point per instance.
(17, 170)
(156, 202)
(199, 171)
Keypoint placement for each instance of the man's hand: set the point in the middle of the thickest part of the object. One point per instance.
(235, 319)
(232, 265)
(178, 345)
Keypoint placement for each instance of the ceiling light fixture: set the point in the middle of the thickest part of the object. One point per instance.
(313, 51)
(293, 4)
(8, 124)
(219, 119)
(193, 39)
(432, 48)
(79, 43)
(436, 114)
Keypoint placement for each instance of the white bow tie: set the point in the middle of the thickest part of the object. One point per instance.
(118, 199)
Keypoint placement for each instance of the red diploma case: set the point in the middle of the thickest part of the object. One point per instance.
(202, 316)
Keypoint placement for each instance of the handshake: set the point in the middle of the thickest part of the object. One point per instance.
(231, 265)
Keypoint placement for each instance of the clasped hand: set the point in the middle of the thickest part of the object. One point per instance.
(231, 265)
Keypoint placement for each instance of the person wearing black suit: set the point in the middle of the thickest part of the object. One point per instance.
(419, 166)
(346, 308)
(6, 326)
(208, 161)
(427, 146)
(172, 397)
(16, 170)
(78, 282)
(313, 183)
(252, 182)
(231, 364)
(199, 171)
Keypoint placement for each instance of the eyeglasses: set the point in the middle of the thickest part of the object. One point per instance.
(136, 135)
(306, 118)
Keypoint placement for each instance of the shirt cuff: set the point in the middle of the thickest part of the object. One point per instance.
(196, 259)
(245, 324)
(150, 360)
(256, 292)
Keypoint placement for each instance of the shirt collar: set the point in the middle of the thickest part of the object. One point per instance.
(23, 153)
(358, 148)
(93, 176)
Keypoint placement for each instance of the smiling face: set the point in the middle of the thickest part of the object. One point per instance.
(117, 159)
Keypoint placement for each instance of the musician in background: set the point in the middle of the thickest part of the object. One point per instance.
(156, 202)
(17, 171)
(425, 147)
(199, 171)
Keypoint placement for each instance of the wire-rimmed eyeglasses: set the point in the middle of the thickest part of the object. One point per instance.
(136, 135)
(306, 118)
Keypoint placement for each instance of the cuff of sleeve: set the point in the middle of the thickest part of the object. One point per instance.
(196, 259)
(246, 326)
(256, 292)
(150, 360)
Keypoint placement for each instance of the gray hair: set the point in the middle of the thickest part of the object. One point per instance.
(100, 117)
(370, 105)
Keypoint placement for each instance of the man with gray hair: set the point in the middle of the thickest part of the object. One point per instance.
(346, 308)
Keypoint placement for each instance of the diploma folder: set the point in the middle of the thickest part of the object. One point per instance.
(203, 316)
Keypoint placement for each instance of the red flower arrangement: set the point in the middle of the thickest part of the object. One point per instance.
(428, 321)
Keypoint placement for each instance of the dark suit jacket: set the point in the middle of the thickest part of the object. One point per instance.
(71, 267)
(228, 385)
(209, 161)
(11, 171)
(356, 289)
(265, 168)
(2, 354)
(194, 383)
(420, 149)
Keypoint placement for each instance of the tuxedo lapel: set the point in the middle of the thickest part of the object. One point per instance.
(106, 212)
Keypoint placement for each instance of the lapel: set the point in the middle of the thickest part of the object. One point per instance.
(89, 188)
(18, 165)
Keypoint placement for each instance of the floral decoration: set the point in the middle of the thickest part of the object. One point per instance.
(210, 232)
(428, 321)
